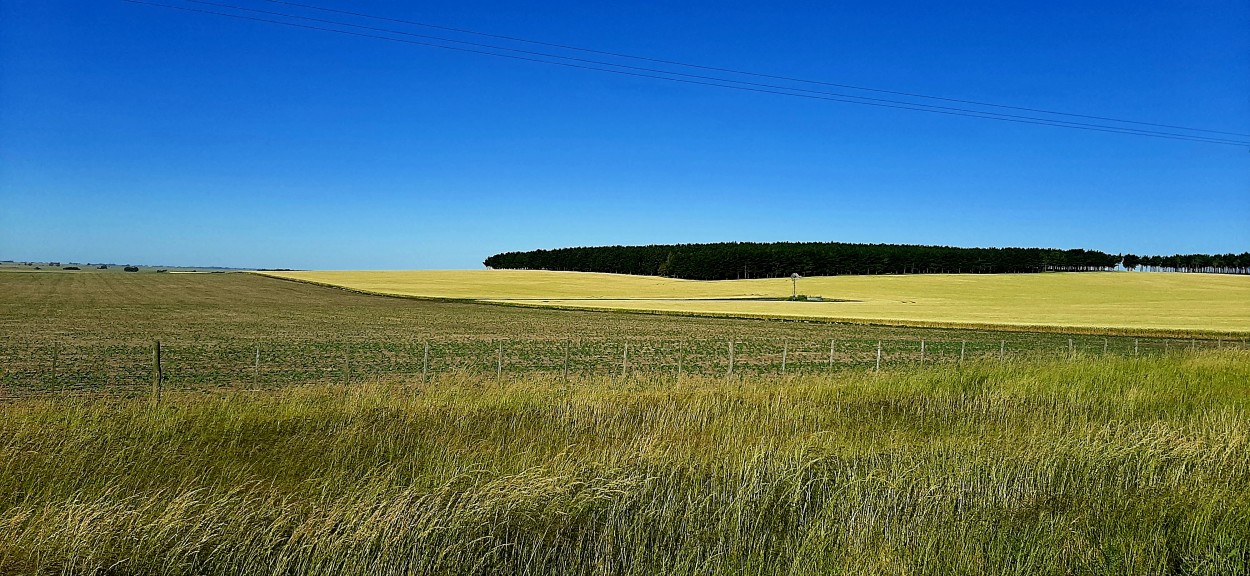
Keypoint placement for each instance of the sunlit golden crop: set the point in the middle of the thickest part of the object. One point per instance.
(1111, 302)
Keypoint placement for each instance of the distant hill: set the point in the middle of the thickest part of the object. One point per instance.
(734, 260)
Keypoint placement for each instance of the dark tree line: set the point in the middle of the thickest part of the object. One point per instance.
(732, 260)
(1211, 263)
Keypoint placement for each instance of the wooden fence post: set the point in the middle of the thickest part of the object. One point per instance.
(565, 376)
(499, 362)
(1071, 348)
(922, 351)
(347, 363)
(785, 350)
(731, 359)
(56, 351)
(1135, 346)
(256, 368)
(157, 376)
(833, 344)
(1104, 346)
(1002, 351)
(425, 363)
(878, 356)
(681, 359)
(625, 361)
(962, 345)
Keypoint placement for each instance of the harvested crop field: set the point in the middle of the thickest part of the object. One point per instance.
(1128, 303)
(88, 331)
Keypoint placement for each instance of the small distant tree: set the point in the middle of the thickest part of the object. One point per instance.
(666, 267)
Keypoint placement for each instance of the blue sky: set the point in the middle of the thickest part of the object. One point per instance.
(133, 133)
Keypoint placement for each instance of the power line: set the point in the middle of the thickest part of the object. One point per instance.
(744, 72)
(765, 87)
(681, 77)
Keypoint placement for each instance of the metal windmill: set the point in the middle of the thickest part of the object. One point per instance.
(794, 282)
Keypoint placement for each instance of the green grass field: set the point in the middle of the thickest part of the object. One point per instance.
(1103, 303)
(1068, 454)
(1093, 466)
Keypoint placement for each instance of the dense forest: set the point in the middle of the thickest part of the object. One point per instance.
(731, 260)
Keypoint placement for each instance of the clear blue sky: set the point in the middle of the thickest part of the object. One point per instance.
(132, 133)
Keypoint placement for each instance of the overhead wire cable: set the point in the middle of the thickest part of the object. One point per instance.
(919, 106)
(744, 72)
(784, 91)
(716, 82)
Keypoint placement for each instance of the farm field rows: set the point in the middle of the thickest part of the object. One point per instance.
(987, 452)
(1092, 302)
(85, 331)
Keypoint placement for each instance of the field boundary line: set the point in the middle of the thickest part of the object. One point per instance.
(876, 322)
(371, 292)
(880, 322)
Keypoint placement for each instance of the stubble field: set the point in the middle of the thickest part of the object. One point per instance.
(1086, 302)
(91, 332)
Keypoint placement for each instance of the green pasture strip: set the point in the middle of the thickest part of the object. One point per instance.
(1042, 466)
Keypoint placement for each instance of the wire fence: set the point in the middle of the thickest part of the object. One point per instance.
(86, 367)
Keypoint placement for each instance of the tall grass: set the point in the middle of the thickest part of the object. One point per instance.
(1106, 466)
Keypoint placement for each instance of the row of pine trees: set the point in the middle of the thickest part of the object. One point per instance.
(733, 260)
(1209, 263)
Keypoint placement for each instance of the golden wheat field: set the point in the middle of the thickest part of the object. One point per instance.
(1104, 302)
